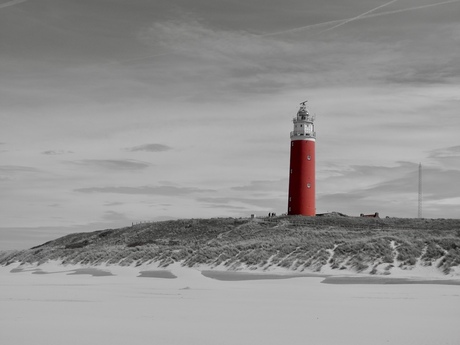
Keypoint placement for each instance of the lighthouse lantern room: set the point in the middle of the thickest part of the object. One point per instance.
(302, 165)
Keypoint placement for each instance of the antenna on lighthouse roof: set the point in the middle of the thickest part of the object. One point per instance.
(303, 103)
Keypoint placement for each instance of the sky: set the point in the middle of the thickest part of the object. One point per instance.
(115, 112)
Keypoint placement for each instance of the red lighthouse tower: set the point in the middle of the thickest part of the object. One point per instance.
(302, 166)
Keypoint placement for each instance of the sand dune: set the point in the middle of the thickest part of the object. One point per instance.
(328, 244)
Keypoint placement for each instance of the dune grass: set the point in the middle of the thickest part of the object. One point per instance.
(294, 243)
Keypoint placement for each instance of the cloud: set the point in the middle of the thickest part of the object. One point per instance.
(367, 15)
(12, 3)
(245, 63)
(447, 158)
(248, 203)
(389, 190)
(12, 169)
(337, 179)
(223, 60)
(115, 203)
(447, 152)
(437, 185)
(263, 186)
(112, 164)
(426, 71)
(145, 190)
(362, 15)
(56, 152)
(227, 207)
(149, 148)
(115, 216)
(256, 196)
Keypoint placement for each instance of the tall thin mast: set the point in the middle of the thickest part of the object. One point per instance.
(420, 190)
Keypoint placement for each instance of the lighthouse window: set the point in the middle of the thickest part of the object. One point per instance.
(309, 157)
(308, 185)
(301, 125)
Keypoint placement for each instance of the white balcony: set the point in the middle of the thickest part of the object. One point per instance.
(300, 134)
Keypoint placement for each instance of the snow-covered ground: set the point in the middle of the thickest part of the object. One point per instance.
(67, 305)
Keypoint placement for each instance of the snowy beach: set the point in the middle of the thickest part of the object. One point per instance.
(53, 304)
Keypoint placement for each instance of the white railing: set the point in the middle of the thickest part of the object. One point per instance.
(309, 135)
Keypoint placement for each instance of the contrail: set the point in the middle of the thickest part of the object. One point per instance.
(338, 22)
(11, 3)
(360, 17)
(303, 28)
(412, 8)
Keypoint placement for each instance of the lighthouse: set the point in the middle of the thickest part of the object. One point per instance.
(302, 165)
